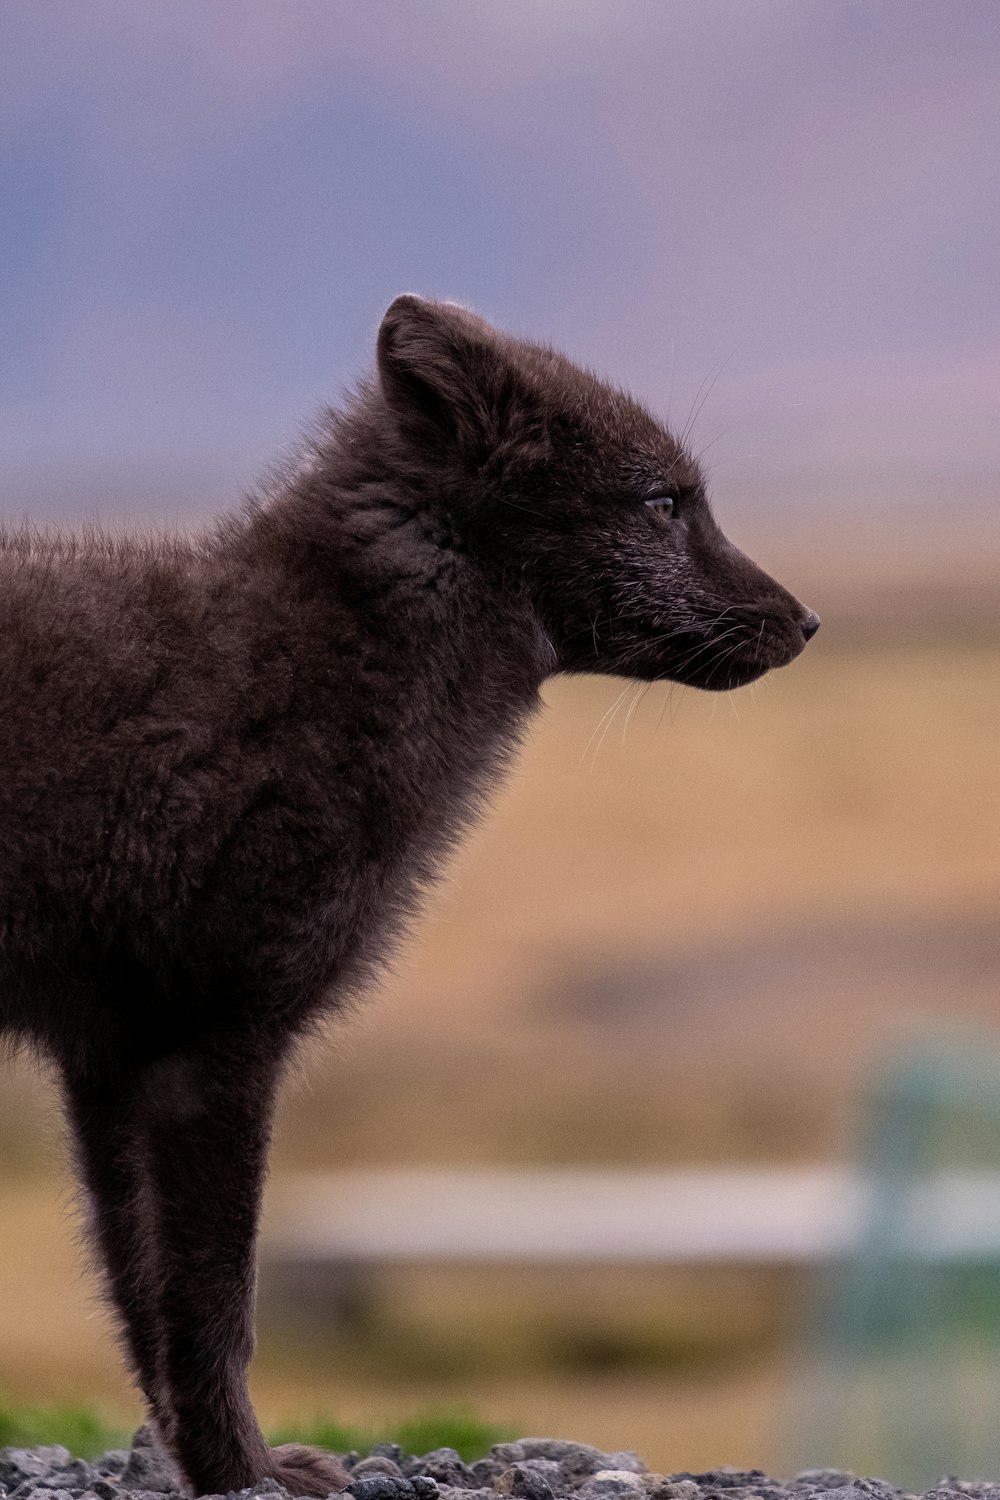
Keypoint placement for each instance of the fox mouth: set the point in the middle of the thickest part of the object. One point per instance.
(720, 665)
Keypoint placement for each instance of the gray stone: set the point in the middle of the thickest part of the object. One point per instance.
(19, 1464)
(605, 1484)
(380, 1478)
(391, 1451)
(572, 1458)
(821, 1479)
(729, 1478)
(626, 1460)
(542, 1468)
(150, 1467)
(75, 1476)
(376, 1463)
(577, 1461)
(381, 1487)
(268, 1487)
(485, 1471)
(665, 1488)
(111, 1465)
(843, 1492)
(533, 1480)
(445, 1466)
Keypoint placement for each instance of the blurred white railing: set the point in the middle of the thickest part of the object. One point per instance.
(739, 1216)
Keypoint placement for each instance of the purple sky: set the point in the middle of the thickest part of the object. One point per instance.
(206, 206)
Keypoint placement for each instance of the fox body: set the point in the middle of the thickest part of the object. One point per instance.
(230, 764)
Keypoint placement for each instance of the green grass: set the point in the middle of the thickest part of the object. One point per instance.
(454, 1428)
(86, 1433)
(81, 1429)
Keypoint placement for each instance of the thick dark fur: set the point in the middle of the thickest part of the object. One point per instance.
(229, 765)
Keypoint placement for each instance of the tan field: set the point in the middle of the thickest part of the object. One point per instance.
(687, 930)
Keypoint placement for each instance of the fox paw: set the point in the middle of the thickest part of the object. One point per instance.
(308, 1471)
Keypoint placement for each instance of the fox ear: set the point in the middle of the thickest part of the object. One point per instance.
(440, 368)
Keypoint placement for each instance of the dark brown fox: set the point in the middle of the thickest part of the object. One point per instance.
(229, 765)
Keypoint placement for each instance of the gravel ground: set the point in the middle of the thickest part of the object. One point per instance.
(531, 1469)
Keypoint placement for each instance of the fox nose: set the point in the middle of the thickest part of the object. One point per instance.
(809, 624)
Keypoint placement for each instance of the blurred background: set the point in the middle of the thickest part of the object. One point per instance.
(753, 936)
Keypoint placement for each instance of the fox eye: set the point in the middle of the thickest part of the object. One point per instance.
(662, 506)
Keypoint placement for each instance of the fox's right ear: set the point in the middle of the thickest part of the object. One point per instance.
(443, 372)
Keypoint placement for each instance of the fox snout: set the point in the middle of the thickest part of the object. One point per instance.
(754, 625)
(743, 623)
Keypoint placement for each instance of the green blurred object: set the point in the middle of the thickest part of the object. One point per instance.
(81, 1429)
(905, 1339)
(459, 1429)
(86, 1434)
(453, 1427)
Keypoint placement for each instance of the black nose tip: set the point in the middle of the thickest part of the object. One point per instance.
(809, 624)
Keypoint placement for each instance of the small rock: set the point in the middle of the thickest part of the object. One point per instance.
(376, 1463)
(379, 1478)
(628, 1477)
(529, 1481)
(574, 1459)
(626, 1460)
(19, 1464)
(150, 1466)
(577, 1461)
(674, 1489)
(821, 1479)
(980, 1488)
(607, 1483)
(443, 1465)
(392, 1451)
(75, 1476)
(381, 1487)
(842, 1492)
(485, 1470)
(111, 1464)
(728, 1478)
